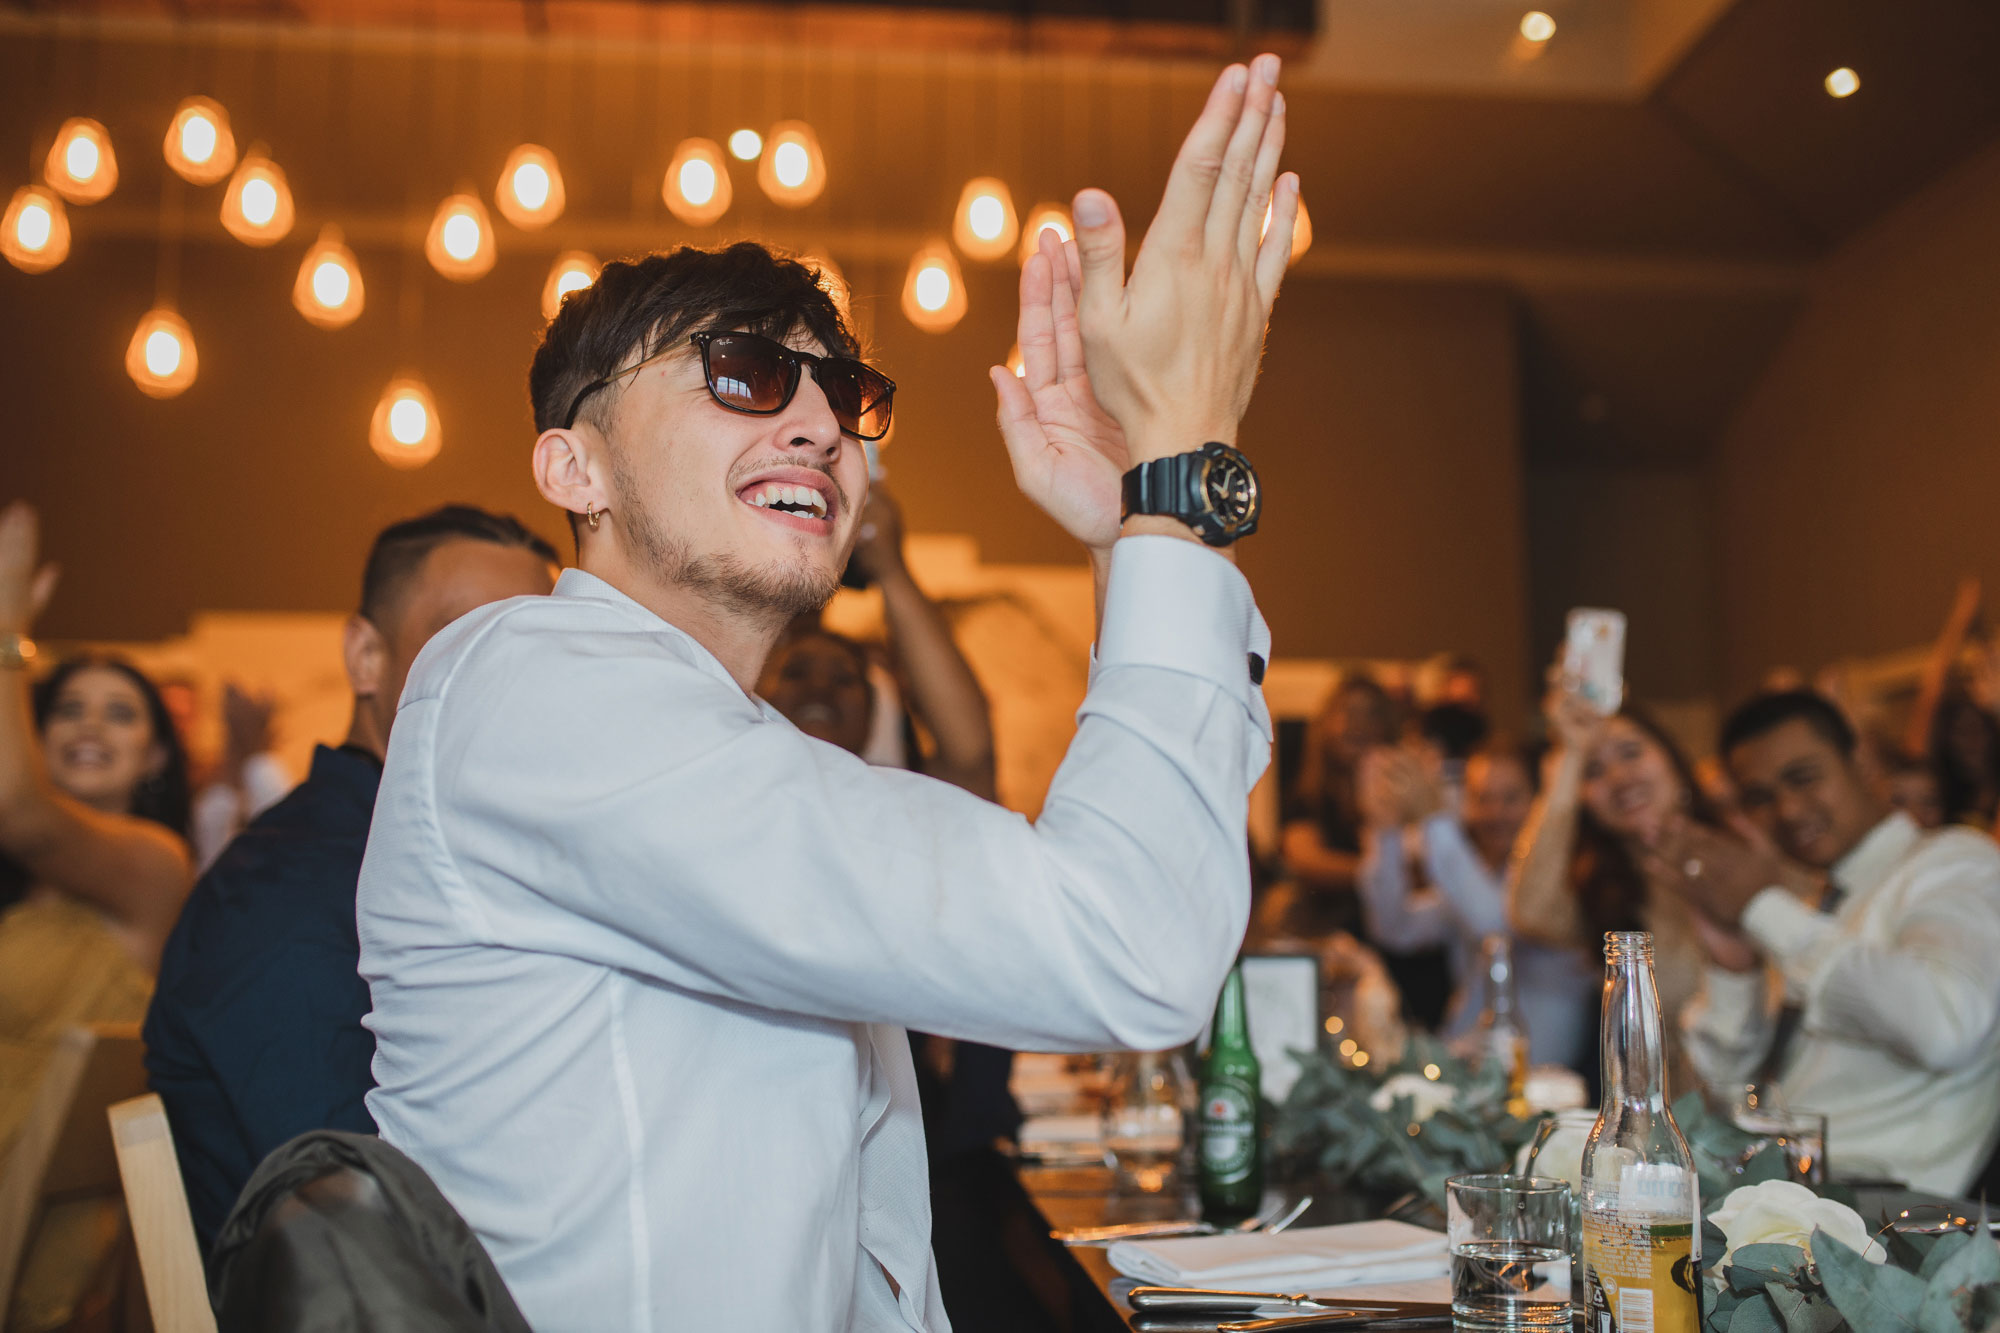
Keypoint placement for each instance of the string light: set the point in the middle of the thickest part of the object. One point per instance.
(81, 166)
(460, 243)
(1302, 229)
(200, 147)
(1041, 218)
(1843, 82)
(530, 192)
(792, 171)
(34, 235)
(744, 145)
(572, 272)
(1537, 27)
(985, 226)
(405, 431)
(697, 185)
(934, 291)
(328, 291)
(161, 358)
(257, 209)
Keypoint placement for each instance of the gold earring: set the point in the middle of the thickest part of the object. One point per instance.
(590, 515)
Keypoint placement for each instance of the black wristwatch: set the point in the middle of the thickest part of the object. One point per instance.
(1212, 489)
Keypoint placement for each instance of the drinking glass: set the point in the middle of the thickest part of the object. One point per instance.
(1557, 1152)
(1146, 1109)
(1510, 1251)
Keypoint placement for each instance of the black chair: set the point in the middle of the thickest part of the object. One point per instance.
(341, 1233)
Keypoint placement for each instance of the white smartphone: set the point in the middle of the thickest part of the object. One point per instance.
(1594, 657)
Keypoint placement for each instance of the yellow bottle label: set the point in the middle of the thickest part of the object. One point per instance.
(1641, 1274)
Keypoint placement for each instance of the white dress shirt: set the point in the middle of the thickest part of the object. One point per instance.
(642, 953)
(1899, 1045)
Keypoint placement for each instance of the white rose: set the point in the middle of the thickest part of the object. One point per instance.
(1780, 1212)
(1426, 1095)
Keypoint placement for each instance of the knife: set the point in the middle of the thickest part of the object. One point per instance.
(1343, 1319)
(1243, 1302)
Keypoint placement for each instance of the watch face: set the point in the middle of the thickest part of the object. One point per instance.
(1230, 486)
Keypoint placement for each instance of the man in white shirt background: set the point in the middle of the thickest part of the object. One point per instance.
(641, 953)
(1888, 967)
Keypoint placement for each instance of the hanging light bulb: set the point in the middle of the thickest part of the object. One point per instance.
(572, 272)
(530, 193)
(792, 171)
(199, 146)
(1302, 230)
(985, 227)
(744, 145)
(404, 431)
(257, 208)
(160, 358)
(697, 185)
(35, 233)
(460, 243)
(934, 291)
(328, 291)
(1016, 362)
(1041, 218)
(81, 166)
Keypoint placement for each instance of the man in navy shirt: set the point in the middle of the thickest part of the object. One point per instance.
(255, 1031)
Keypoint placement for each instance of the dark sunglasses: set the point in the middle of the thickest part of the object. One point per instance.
(756, 375)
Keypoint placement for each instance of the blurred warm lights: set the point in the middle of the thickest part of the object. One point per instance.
(1349, 1047)
(199, 146)
(1302, 229)
(572, 272)
(34, 235)
(1041, 218)
(81, 166)
(404, 431)
(1843, 82)
(744, 145)
(697, 185)
(1335, 1025)
(328, 291)
(530, 193)
(1016, 363)
(460, 242)
(1537, 27)
(985, 226)
(934, 291)
(1361, 1062)
(257, 209)
(160, 358)
(792, 171)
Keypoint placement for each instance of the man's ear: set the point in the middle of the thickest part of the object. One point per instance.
(566, 464)
(366, 655)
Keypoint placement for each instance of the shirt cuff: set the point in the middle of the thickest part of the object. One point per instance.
(1174, 604)
(1794, 935)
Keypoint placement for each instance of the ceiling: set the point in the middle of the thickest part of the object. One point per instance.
(1656, 187)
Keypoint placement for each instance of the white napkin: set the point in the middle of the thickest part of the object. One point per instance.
(1304, 1259)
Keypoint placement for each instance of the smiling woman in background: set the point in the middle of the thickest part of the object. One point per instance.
(93, 812)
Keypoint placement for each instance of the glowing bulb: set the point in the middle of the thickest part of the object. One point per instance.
(697, 187)
(200, 147)
(934, 290)
(81, 166)
(1016, 362)
(1537, 27)
(404, 431)
(328, 291)
(81, 159)
(792, 172)
(1302, 229)
(34, 234)
(572, 272)
(460, 243)
(985, 226)
(257, 208)
(744, 145)
(1843, 82)
(530, 193)
(161, 357)
(1041, 218)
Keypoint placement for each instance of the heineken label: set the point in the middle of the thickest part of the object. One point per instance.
(1228, 1132)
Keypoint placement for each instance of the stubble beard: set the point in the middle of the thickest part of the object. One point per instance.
(776, 595)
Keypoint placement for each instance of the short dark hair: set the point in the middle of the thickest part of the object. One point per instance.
(1767, 712)
(644, 306)
(400, 549)
(1454, 728)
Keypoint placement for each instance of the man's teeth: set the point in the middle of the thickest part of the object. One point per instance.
(791, 499)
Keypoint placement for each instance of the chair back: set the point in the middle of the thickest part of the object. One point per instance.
(162, 1227)
(64, 1150)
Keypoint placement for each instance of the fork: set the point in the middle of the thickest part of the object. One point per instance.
(1269, 1224)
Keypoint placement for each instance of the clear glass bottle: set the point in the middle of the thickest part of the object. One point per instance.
(1500, 1037)
(1145, 1119)
(1641, 1203)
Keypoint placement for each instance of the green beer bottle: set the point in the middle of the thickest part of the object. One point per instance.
(1232, 1164)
